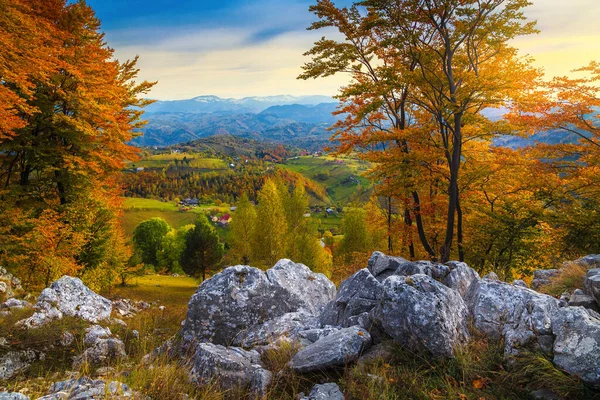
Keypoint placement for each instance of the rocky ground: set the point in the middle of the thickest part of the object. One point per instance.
(395, 329)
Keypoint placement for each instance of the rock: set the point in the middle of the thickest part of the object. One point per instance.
(495, 304)
(423, 315)
(564, 298)
(577, 343)
(382, 266)
(135, 334)
(240, 297)
(13, 396)
(334, 350)
(583, 300)
(87, 388)
(520, 282)
(230, 367)
(358, 294)
(125, 308)
(287, 325)
(67, 339)
(460, 277)
(102, 348)
(416, 268)
(95, 333)
(15, 362)
(13, 303)
(312, 335)
(545, 394)
(117, 321)
(68, 297)
(592, 283)
(9, 284)
(542, 277)
(531, 328)
(325, 391)
(381, 352)
(592, 260)
(492, 276)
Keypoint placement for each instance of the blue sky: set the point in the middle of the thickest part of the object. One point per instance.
(236, 48)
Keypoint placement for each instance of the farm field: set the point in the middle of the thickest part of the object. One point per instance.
(334, 175)
(194, 160)
(138, 210)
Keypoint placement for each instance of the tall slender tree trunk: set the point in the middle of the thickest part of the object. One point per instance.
(452, 189)
(421, 229)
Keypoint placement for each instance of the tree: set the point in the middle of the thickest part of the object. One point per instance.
(242, 230)
(171, 247)
(422, 71)
(203, 250)
(148, 237)
(269, 242)
(356, 236)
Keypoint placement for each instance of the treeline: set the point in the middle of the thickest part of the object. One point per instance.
(421, 75)
(176, 181)
(67, 111)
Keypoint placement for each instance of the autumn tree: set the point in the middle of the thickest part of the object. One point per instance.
(242, 230)
(67, 140)
(269, 242)
(440, 63)
(203, 250)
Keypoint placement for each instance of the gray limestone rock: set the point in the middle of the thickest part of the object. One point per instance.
(358, 294)
(460, 277)
(287, 325)
(334, 350)
(325, 391)
(13, 396)
(68, 297)
(542, 277)
(591, 283)
(423, 315)
(577, 343)
(229, 367)
(15, 362)
(87, 389)
(241, 297)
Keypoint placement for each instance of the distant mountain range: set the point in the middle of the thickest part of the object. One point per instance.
(301, 121)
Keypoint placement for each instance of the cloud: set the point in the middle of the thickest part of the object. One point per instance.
(244, 48)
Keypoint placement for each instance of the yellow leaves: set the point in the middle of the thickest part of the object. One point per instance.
(480, 383)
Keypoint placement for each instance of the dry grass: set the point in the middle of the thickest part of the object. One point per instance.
(570, 277)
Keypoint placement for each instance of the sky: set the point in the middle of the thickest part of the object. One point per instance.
(239, 48)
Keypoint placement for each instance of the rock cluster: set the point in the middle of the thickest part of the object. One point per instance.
(9, 284)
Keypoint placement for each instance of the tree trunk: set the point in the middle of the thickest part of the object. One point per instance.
(452, 189)
(389, 221)
(420, 228)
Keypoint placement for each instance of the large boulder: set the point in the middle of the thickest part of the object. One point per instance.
(240, 297)
(592, 283)
(68, 297)
(87, 388)
(542, 277)
(591, 261)
(423, 315)
(334, 350)
(495, 304)
(358, 294)
(325, 391)
(577, 343)
(229, 367)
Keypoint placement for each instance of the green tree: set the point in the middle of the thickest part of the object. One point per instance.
(242, 230)
(172, 245)
(148, 237)
(269, 244)
(203, 250)
(356, 235)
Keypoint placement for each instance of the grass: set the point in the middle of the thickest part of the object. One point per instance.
(138, 210)
(331, 175)
(195, 161)
(570, 277)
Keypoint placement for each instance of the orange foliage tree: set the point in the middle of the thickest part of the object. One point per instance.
(60, 155)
